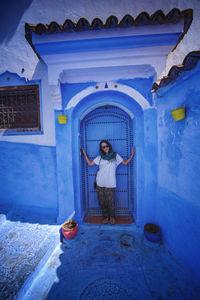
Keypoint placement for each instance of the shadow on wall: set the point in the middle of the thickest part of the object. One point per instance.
(11, 14)
(41, 71)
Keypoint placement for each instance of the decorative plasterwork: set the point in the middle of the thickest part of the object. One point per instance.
(110, 86)
(189, 63)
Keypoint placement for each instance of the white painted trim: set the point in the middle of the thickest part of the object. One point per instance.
(134, 61)
(131, 92)
(102, 74)
(133, 54)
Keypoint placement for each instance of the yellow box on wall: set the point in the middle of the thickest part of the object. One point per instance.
(178, 114)
(62, 119)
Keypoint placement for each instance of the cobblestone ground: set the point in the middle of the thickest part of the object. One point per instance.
(23, 244)
(112, 263)
(100, 263)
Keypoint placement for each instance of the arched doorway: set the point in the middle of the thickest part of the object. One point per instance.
(115, 125)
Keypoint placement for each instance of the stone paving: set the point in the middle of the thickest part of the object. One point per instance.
(24, 243)
(111, 262)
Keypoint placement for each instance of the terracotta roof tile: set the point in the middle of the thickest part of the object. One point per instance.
(69, 25)
(174, 16)
(189, 63)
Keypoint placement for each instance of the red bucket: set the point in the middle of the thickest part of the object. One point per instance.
(69, 229)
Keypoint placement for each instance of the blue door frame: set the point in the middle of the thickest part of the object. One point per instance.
(69, 160)
(113, 124)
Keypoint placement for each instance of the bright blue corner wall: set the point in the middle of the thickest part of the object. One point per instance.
(178, 204)
(28, 178)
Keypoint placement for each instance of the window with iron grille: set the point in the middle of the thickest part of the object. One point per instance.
(20, 108)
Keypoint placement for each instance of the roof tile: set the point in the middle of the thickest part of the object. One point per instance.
(174, 16)
(189, 63)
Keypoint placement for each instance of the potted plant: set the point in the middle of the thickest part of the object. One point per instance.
(178, 114)
(62, 119)
(152, 232)
(69, 229)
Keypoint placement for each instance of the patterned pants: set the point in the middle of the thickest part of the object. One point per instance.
(106, 201)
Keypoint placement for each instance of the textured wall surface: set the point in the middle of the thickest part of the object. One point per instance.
(179, 144)
(178, 206)
(28, 177)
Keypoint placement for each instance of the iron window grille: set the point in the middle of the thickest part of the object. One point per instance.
(20, 108)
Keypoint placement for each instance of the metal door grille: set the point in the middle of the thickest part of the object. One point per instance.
(113, 124)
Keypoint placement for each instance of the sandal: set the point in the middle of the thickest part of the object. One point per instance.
(112, 221)
(105, 221)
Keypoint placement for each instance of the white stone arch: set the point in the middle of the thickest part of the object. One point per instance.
(131, 92)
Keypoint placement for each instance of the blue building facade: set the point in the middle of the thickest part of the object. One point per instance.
(101, 79)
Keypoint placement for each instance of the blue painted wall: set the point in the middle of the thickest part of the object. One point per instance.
(69, 90)
(28, 178)
(142, 85)
(109, 43)
(178, 209)
(65, 174)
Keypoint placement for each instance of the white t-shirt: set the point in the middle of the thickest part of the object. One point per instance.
(106, 175)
